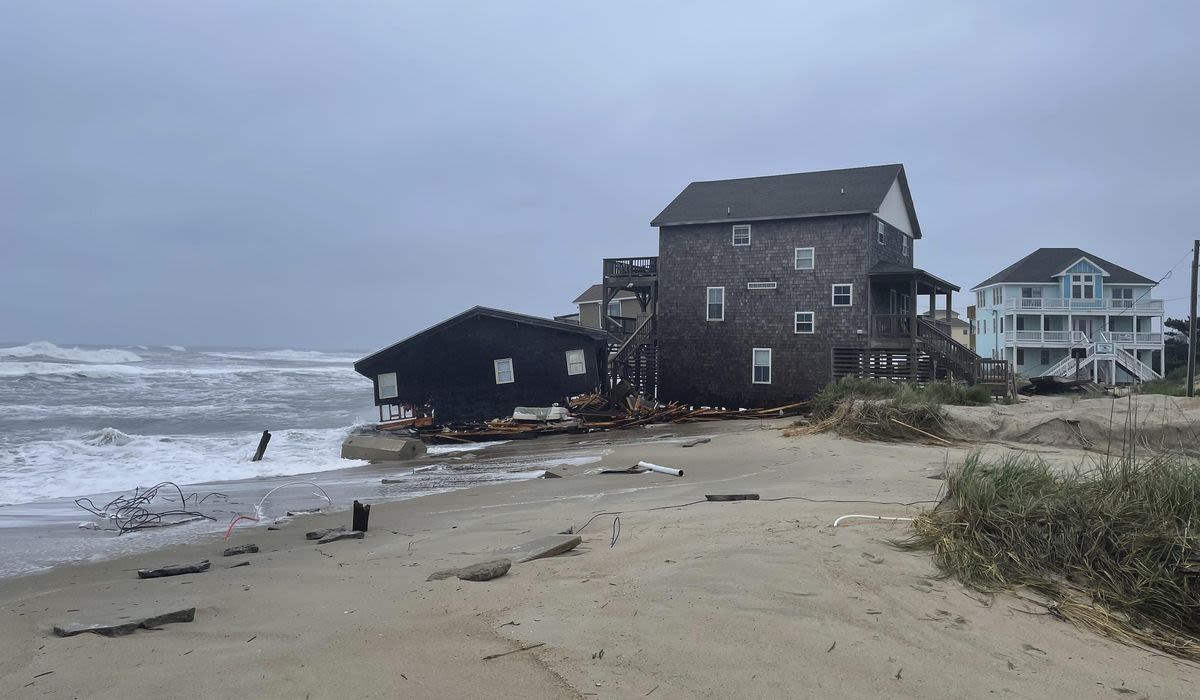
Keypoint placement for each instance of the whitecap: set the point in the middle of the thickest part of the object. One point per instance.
(284, 356)
(177, 348)
(49, 350)
(106, 436)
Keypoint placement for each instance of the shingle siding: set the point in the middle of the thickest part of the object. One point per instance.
(710, 362)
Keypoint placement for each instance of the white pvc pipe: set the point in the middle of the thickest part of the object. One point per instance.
(660, 469)
(871, 517)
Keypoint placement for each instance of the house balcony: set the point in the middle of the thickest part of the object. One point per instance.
(1071, 338)
(1151, 307)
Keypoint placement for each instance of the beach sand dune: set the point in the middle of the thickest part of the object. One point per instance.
(711, 600)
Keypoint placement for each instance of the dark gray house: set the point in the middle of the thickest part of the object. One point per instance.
(483, 363)
(766, 288)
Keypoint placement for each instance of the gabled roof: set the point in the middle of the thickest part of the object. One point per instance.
(595, 293)
(799, 195)
(475, 312)
(1044, 264)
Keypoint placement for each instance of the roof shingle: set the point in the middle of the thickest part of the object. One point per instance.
(798, 195)
(1040, 267)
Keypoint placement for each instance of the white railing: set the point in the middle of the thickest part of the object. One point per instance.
(1045, 337)
(1151, 306)
(1138, 368)
(1149, 338)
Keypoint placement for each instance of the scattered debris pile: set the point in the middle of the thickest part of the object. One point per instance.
(137, 511)
(591, 412)
(1110, 548)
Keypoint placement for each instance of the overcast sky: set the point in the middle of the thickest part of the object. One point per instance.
(339, 175)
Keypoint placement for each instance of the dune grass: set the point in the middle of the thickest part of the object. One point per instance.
(1114, 546)
(936, 393)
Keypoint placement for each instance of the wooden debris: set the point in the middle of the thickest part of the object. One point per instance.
(732, 496)
(124, 627)
(322, 534)
(514, 651)
(174, 570)
(483, 571)
(337, 536)
(240, 549)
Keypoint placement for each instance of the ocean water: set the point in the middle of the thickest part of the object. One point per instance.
(84, 420)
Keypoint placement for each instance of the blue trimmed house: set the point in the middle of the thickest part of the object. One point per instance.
(1067, 312)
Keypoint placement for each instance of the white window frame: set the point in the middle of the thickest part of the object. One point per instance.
(754, 365)
(812, 323)
(581, 363)
(735, 234)
(904, 244)
(761, 285)
(609, 310)
(812, 259)
(997, 295)
(380, 384)
(512, 371)
(880, 233)
(834, 293)
(1085, 281)
(708, 304)
(904, 300)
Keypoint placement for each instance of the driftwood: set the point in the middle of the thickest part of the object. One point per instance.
(262, 446)
(124, 627)
(174, 570)
(489, 657)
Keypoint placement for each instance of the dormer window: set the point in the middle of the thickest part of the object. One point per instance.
(1083, 286)
(741, 234)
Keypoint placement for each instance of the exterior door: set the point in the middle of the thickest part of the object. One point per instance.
(1085, 324)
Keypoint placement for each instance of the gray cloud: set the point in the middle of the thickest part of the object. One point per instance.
(340, 175)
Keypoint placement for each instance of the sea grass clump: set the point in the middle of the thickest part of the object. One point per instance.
(1113, 546)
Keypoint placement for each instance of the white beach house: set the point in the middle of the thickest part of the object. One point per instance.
(1059, 311)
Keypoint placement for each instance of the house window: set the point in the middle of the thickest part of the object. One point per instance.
(1122, 297)
(998, 295)
(575, 362)
(904, 245)
(387, 385)
(805, 257)
(741, 234)
(504, 371)
(981, 298)
(880, 233)
(1083, 286)
(843, 294)
(893, 301)
(762, 366)
(1045, 357)
(904, 298)
(614, 309)
(1020, 356)
(804, 322)
(716, 304)
(983, 326)
(760, 285)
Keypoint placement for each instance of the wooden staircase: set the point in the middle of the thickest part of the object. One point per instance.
(636, 359)
(934, 356)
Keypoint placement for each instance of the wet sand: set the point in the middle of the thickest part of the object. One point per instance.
(740, 599)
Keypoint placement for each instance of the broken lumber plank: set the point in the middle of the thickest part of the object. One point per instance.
(124, 627)
(174, 570)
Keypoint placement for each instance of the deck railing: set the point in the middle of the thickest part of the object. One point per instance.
(631, 267)
(1151, 306)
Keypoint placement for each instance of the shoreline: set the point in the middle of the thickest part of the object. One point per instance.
(751, 598)
(29, 530)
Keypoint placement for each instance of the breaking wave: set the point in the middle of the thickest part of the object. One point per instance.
(106, 436)
(284, 356)
(107, 460)
(53, 369)
(176, 348)
(51, 351)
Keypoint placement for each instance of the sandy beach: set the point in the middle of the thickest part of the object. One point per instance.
(737, 599)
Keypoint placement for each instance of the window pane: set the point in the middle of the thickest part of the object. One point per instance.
(715, 294)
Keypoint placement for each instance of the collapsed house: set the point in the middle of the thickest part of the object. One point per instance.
(481, 364)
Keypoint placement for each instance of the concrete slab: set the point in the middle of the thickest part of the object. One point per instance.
(381, 448)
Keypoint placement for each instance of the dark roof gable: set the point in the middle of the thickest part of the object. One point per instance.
(562, 326)
(1040, 267)
(799, 195)
(595, 293)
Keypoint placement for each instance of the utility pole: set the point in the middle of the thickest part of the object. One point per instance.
(1191, 360)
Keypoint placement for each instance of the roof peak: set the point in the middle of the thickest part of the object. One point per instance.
(802, 172)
